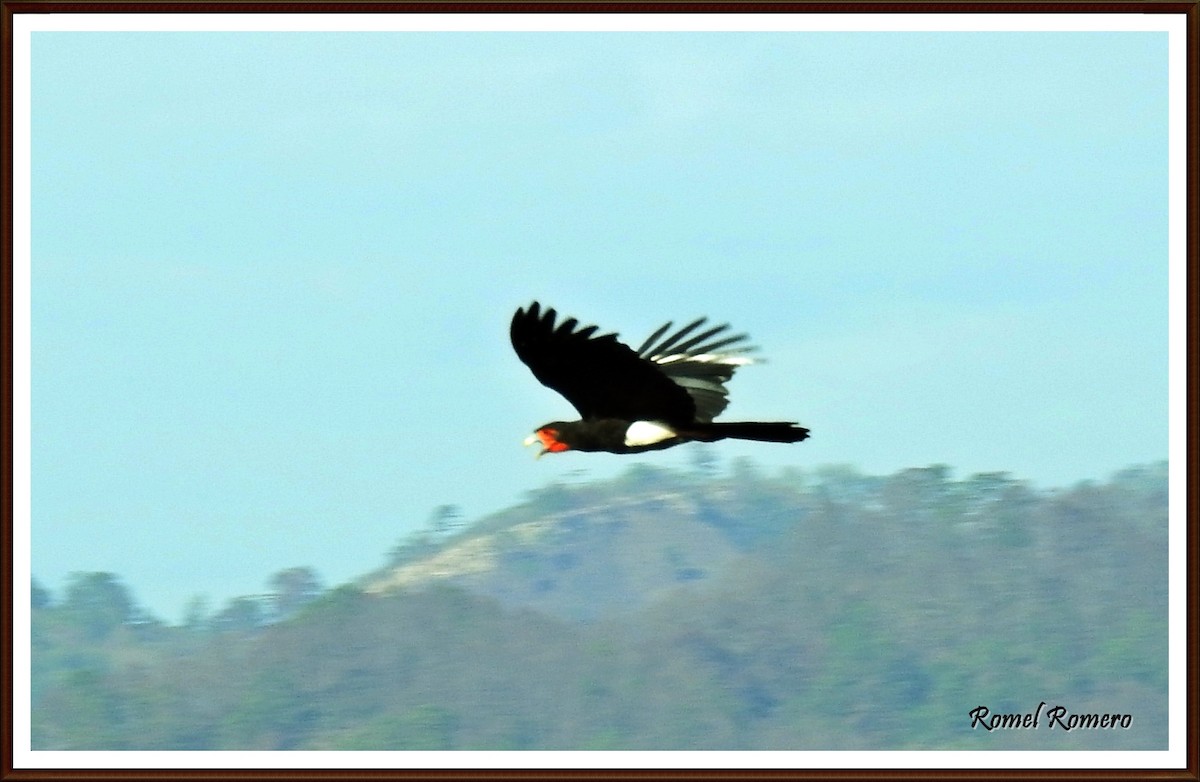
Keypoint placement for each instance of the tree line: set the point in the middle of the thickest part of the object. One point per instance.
(854, 612)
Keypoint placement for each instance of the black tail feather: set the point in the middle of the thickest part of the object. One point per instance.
(767, 432)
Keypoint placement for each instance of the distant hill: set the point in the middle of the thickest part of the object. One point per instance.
(663, 609)
(598, 555)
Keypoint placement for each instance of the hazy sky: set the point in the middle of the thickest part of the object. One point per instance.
(272, 274)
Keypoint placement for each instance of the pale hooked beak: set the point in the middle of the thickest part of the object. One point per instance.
(533, 440)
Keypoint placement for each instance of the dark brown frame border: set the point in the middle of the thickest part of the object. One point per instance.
(603, 7)
(13, 7)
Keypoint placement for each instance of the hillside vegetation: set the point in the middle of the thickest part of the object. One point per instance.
(664, 609)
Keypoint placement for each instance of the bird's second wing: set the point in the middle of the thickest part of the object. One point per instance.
(599, 375)
(702, 363)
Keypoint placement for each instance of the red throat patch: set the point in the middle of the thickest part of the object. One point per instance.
(550, 442)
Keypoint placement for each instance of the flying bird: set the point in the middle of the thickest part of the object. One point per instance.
(666, 392)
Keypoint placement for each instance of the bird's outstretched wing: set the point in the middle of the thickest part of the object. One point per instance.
(599, 375)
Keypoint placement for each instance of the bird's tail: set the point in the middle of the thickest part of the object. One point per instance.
(768, 432)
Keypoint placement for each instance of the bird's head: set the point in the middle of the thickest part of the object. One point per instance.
(547, 436)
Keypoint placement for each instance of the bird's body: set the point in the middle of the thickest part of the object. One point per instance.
(666, 392)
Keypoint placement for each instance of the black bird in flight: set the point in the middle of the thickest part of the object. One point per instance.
(665, 393)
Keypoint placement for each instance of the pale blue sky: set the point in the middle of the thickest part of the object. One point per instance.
(273, 273)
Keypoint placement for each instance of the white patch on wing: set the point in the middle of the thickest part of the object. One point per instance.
(647, 433)
(705, 358)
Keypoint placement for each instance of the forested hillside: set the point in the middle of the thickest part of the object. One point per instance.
(702, 609)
